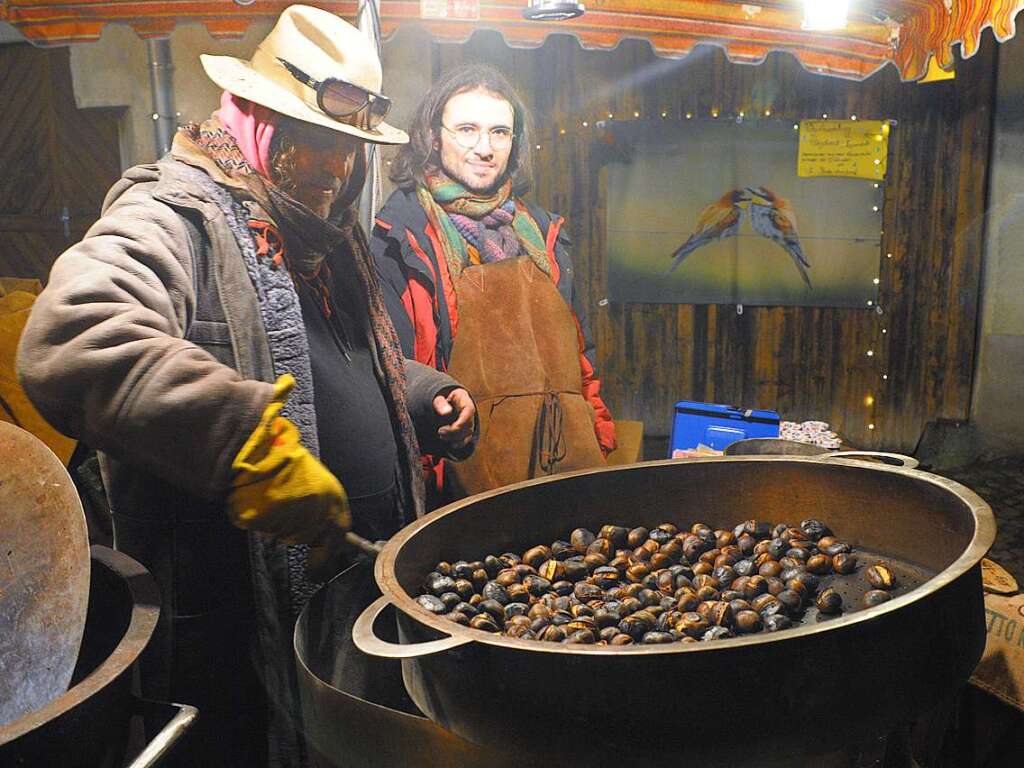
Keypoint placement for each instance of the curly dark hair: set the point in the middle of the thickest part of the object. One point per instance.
(418, 158)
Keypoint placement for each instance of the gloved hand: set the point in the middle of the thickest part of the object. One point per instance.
(282, 490)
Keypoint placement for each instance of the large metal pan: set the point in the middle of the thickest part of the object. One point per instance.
(349, 698)
(44, 578)
(777, 446)
(802, 691)
(88, 726)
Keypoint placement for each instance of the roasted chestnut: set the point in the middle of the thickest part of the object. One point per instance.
(637, 573)
(553, 634)
(536, 585)
(702, 568)
(464, 588)
(834, 549)
(777, 621)
(880, 576)
(844, 563)
(479, 578)
(660, 536)
(716, 633)
(560, 550)
(602, 547)
(791, 600)
(819, 564)
(507, 577)
(746, 543)
(517, 621)
(615, 534)
(438, 584)
(584, 591)
(814, 529)
(744, 567)
(492, 608)
(581, 538)
(692, 624)
(605, 577)
(485, 622)
(761, 602)
(552, 570)
(875, 597)
(492, 565)
(510, 559)
(595, 560)
(607, 633)
(575, 569)
(537, 556)
(432, 604)
(829, 601)
(656, 638)
(687, 599)
(747, 622)
(494, 591)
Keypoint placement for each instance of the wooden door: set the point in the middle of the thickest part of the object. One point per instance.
(56, 161)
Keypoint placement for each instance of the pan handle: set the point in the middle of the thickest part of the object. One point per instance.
(907, 462)
(168, 735)
(367, 641)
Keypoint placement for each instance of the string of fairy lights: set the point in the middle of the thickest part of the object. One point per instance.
(586, 126)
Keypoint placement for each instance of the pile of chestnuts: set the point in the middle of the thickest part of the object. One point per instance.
(659, 585)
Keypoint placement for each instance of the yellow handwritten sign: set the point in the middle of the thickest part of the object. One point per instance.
(857, 148)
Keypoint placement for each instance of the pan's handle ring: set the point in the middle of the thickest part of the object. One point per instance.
(367, 641)
(907, 462)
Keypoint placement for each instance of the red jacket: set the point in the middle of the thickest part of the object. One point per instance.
(419, 294)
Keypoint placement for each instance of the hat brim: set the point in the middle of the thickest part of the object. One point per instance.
(239, 78)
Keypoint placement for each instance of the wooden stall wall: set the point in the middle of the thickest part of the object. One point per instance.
(879, 378)
(56, 161)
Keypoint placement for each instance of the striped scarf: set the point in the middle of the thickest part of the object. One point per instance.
(497, 226)
(287, 231)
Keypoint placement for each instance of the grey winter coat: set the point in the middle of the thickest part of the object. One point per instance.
(160, 361)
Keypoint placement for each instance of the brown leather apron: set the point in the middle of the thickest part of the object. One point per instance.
(517, 353)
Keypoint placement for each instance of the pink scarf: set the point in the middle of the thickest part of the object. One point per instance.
(252, 126)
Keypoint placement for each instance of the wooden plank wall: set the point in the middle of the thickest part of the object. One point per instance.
(52, 155)
(808, 363)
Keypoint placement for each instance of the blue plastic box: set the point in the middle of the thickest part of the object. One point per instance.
(718, 425)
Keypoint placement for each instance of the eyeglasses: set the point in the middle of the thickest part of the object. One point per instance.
(340, 99)
(468, 136)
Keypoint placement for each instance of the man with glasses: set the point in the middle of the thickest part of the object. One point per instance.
(479, 284)
(221, 338)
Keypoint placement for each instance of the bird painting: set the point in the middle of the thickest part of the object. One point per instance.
(773, 217)
(719, 220)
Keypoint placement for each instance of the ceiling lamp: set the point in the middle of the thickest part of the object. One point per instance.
(552, 10)
(825, 15)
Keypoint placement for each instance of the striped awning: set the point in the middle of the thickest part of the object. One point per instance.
(906, 33)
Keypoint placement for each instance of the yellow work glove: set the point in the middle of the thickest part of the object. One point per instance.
(280, 489)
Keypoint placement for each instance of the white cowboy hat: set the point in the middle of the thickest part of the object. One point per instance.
(319, 44)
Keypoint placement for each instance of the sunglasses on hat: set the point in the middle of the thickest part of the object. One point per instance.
(341, 99)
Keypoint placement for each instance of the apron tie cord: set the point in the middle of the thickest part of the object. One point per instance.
(549, 439)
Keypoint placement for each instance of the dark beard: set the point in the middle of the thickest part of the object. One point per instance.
(483, 192)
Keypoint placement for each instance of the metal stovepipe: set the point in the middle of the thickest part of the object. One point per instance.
(161, 79)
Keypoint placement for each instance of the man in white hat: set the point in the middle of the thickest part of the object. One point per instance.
(219, 336)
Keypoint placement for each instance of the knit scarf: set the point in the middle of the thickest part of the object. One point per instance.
(288, 232)
(497, 226)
